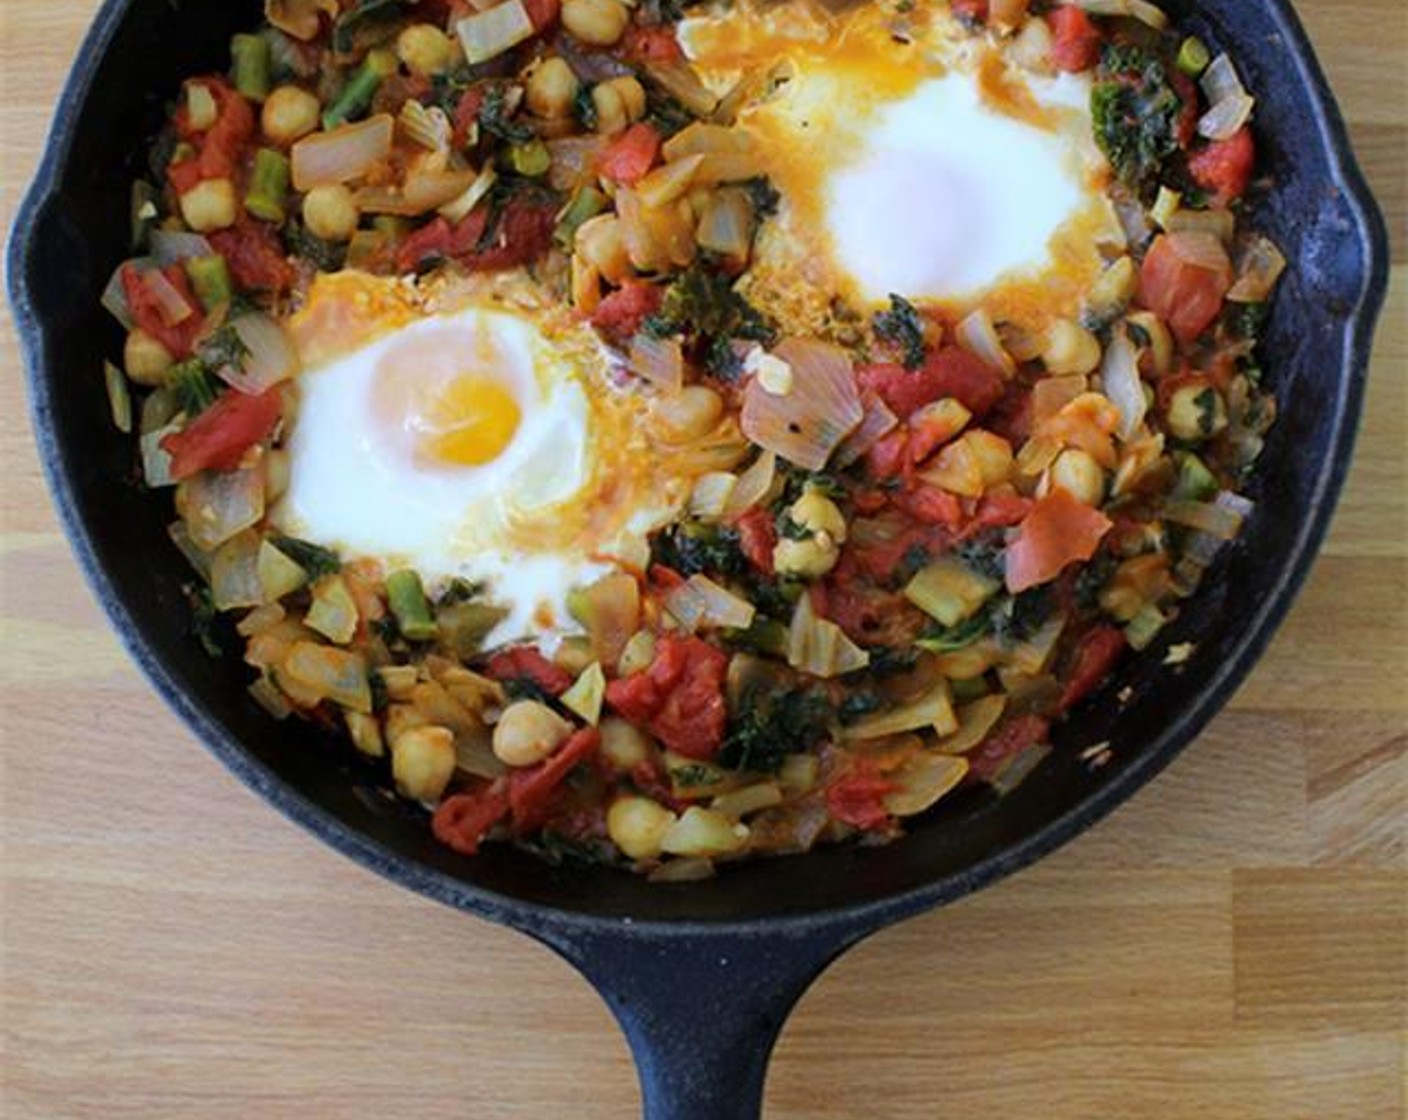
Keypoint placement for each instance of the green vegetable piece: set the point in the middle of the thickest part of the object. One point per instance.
(588, 202)
(314, 559)
(356, 96)
(119, 397)
(145, 210)
(530, 159)
(464, 626)
(192, 385)
(250, 55)
(268, 187)
(771, 724)
(1195, 482)
(392, 225)
(406, 597)
(210, 277)
(1193, 56)
(902, 326)
(1135, 112)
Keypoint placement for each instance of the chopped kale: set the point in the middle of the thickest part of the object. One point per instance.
(496, 116)
(890, 661)
(789, 530)
(764, 196)
(797, 480)
(1015, 618)
(764, 635)
(701, 303)
(902, 326)
(858, 705)
(947, 639)
(223, 348)
(1135, 112)
(771, 724)
(459, 590)
(915, 557)
(1092, 580)
(694, 775)
(327, 256)
(775, 598)
(558, 850)
(380, 696)
(692, 548)
(195, 389)
(362, 22)
(584, 109)
(984, 555)
(1246, 320)
(526, 688)
(665, 113)
(314, 559)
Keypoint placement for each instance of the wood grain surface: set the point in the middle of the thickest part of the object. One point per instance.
(1232, 944)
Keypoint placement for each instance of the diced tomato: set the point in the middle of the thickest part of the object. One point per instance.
(890, 456)
(679, 698)
(948, 372)
(1058, 531)
(930, 505)
(1099, 649)
(466, 113)
(461, 820)
(184, 174)
(652, 44)
(526, 663)
(224, 143)
(1077, 40)
(1224, 167)
(998, 509)
(542, 13)
(1183, 280)
(628, 157)
(255, 256)
(524, 233)
(621, 312)
(530, 790)
(971, 11)
(757, 537)
(1186, 126)
(1011, 417)
(218, 438)
(178, 338)
(1006, 741)
(857, 798)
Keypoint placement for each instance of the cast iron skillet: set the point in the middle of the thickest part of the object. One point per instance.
(700, 975)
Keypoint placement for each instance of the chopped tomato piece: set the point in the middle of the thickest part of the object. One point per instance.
(1186, 126)
(526, 663)
(523, 233)
(1183, 280)
(931, 505)
(220, 147)
(467, 113)
(1058, 531)
(256, 259)
(530, 790)
(972, 11)
(542, 13)
(1224, 167)
(1006, 741)
(999, 509)
(757, 537)
(461, 820)
(652, 44)
(1099, 649)
(680, 698)
(628, 157)
(857, 798)
(1077, 40)
(890, 456)
(948, 372)
(621, 313)
(217, 439)
(178, 338)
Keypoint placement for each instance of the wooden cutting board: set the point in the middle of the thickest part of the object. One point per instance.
(1231, 944)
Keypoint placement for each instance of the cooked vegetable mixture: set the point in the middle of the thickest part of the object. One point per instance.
(917, 531)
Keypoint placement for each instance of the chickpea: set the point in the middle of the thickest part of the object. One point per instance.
(599, 23)
(1070, 348)
(1079, 475)
(817, 513)
(599, 243)
(623, 744)
(330, 212)
(146, 358)
(423, 761)
(810, 558)
(426, 50)
(210, 205)
(552, 88)
(637, 825)
(689, 414)
(527, 732)
(618, 103)
(1160, 340)
(1196, 412)
(289, 113)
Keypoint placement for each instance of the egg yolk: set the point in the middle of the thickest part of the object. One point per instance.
(465, 421)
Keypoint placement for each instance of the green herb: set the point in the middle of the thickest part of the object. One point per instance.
(947, 639)
(1013, 619)
(1246, 320)
(692, 548)
(764, 635)
(695, 775)
(902, 326)
(763, 195)
(326, 256)
(584, 109)
(858, 705)
(561, 851)
(771, 724)
(314, 559)
(375, 683)
(496, 115)
(701, 302)
(1206, 404)
(796, 481)
(1091, 581)
(459, 590)
(364, 21)
(665, 113)
(1135, 113)
(985, 555)
(790, 530)
(890, 661)
(194, 389)
(223, 348)
(356, 95)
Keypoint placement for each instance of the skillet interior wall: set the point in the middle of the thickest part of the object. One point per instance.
(84, 234)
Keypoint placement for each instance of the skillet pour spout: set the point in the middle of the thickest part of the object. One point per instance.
(700, 975)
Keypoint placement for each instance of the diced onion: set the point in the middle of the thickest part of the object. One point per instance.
(342, 154)
(875, 424)
(820, 647)
(171, 246)
(119, 397)
(679, 80)
(218, 504)
(806, 425)
(430, 128)
(1119, 374)
(267, 695)
(754, 485)
(1220, 80)
(1033, 655)
(711, 140)
(658, 360)
(977, 334)
(299, 18)
(422, 192)
(1019, 767)
(114, 297)
(1230, 103)
(711, 495)
(669, 182)
(933, 709)
(921, 780)
(1207, 517)
(171, 305)
(457, 209)
(975, 720)
(488, 34)
(726, 225)
(234, 573)
(271, 356)
(1202, 250)
(156, 460)
(1051, 394)
(1219, 223)
(699, 601)
(181, 538)
(573, 161)
(1258, 270)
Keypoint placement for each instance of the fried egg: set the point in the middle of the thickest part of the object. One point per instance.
(910, 159)
(466, 432)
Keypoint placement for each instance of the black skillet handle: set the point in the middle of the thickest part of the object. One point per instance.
(702, 1010)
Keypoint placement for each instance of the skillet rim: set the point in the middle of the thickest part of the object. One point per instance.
(534, 917)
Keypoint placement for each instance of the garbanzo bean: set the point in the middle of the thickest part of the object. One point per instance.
(552, 88)
(426, 50)
(599, 23)
(637, 825)
(289, 113)
(1070, 348)
(145, 358)
(210, 205)
(422, 762)
(689, 414)
(1079, 475)
(330, 212)
(527, 732)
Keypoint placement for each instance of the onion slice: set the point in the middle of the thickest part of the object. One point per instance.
(271, 356)
(488, 34)
(1216, 519)
(1259, 268)
(174, 246)
(820, 647)
(1119, 374)
(699, 601)
(978, 335)
(822, 407)
(658, 360)
(754, 485)
(342, 154)
(1230, 103)
(876, 423)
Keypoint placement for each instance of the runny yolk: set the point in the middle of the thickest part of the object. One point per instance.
(464, 421)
